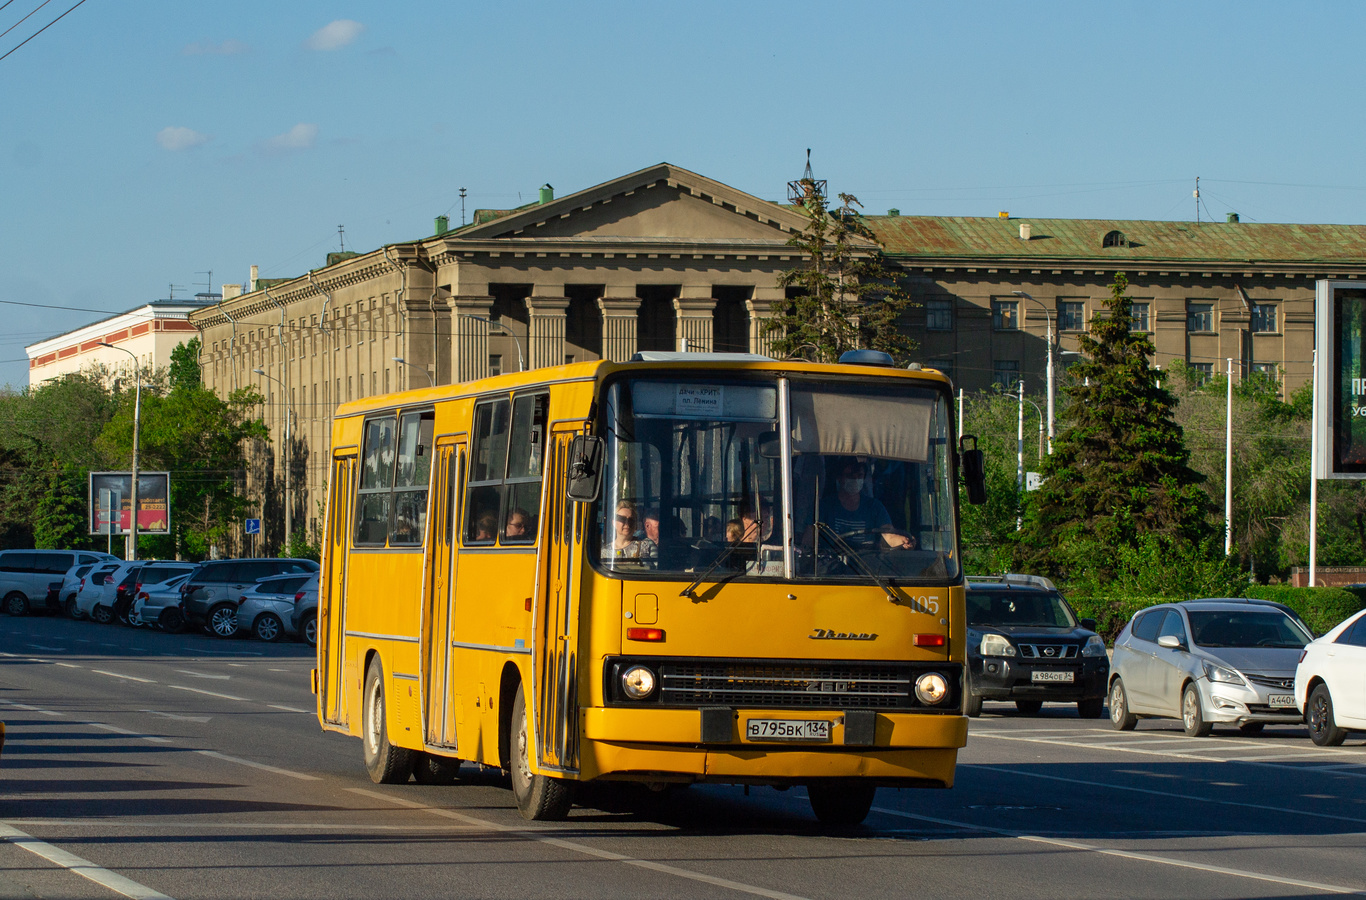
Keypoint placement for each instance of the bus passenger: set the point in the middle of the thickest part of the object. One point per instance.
(519, 527)
(624, 544)
(735, 531)
(485, 527)
(649, 545)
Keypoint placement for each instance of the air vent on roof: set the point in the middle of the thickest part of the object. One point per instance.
(1025, 230)
(866, 358)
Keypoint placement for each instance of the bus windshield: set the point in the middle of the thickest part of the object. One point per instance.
(695, 483)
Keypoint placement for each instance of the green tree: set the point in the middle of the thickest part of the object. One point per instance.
(1120, 470)
(843, 296)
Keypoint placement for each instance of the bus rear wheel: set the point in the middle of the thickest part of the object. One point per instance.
(539, 797)
(386, 763)
(841, 803)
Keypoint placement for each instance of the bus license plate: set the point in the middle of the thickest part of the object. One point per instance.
(1282, 701)
(787, 729)
(1062, 676)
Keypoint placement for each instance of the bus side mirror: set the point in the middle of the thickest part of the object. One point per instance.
(585, 468)
(973, 464)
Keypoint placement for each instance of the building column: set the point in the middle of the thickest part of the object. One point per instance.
(694, 310)
(619, 325)
(546, 318)
(760, 308)
(470, 337)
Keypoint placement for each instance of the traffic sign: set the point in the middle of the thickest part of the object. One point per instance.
(253, 526)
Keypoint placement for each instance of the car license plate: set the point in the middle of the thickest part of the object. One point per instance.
(1045, 675)
(787, 729)
(1282, 701)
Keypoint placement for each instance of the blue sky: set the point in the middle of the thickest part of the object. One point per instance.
(144, 144)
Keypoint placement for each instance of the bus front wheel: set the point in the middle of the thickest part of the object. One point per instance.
(386, 763)
(539, 797)
(841, 803)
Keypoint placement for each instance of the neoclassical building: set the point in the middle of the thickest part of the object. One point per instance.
(664, 258)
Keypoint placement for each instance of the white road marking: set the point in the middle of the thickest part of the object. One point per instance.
(68, 665)
(165, 715)
(1125, 854)
(544, 837)
(202, 675)
(128, 677)
(225, 652)
(181, 687)
(27, 708)
(290, 709)
(41, 647)
(86, 869)
(256, 765)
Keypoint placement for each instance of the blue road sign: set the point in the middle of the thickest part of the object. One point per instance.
(253, 526)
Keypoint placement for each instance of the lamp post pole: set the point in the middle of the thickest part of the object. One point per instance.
(289, 449)
(1052, 391)
(521, 358)
(1019, 457)
(1228, 465)
(131, 550)
(425, 374)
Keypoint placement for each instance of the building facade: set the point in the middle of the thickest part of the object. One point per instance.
(150, 332)
(664, 258)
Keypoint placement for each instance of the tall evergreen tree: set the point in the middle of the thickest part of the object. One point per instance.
(843, 296)
(1119, 474)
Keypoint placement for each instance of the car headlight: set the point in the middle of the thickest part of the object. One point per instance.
(931, 688)
(1222, 675)
(638, 682)
(1095, 646)
(997, 645)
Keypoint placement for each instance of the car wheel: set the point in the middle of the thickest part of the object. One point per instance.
(429, 768)
(1323, 727)
(1193, 713)
(267, 627)
(1251, 727)
(1029, 707)
(841, 803)
(223, 621)
(1120, 717)
(386, 763)
(308, 629)
(972, 705)
(172, 620)
(101, 614)
(1093, 708)
(16, 604)
(73, 611)
(539, 797)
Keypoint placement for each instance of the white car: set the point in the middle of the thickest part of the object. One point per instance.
(1330, 682)
(97, 600)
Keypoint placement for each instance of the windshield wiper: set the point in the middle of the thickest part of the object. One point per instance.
(721, 557)
(843, 546)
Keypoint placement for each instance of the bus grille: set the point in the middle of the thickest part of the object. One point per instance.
(839, 685)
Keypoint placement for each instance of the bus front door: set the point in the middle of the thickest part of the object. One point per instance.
(332, 608)
(438, 708)
(557, 628)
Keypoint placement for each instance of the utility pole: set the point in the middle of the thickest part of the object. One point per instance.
(1019, 460)
(462, 206)
(1052, 351)
(1228, 465)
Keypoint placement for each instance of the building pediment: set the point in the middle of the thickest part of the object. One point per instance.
(662, 204)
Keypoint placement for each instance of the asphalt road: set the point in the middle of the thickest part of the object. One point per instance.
(146, 765)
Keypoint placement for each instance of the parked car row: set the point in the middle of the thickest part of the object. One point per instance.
(266, 598)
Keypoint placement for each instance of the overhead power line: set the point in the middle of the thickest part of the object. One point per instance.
(40, 30)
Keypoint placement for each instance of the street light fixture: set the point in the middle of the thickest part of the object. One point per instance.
(289, 448)
(1052, 391)
(131, 549)
(403, 362)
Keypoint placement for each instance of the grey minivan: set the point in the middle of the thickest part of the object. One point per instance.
(26, 574)
(1207, 662)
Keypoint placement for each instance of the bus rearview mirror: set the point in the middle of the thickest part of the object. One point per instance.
(585, 468)
(770, 447)
(973, 465)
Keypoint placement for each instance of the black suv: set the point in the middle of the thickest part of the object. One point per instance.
(212, 594)
(1025, 643)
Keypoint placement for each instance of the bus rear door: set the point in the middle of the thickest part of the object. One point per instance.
(438, 710)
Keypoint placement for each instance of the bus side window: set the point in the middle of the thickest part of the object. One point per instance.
(488, 465)
(526, 462)
(411, 479)
(376, 482)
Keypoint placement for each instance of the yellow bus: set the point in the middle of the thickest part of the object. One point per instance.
(683, 568)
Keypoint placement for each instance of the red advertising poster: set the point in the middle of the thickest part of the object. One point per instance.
(111, 502)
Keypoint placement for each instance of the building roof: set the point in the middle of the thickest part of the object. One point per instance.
(969, 237)
(155, 309)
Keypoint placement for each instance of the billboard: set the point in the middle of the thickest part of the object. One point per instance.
(1340, 380)
(111, 501)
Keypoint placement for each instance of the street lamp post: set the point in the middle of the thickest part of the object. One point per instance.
(132, 546)
(521, 358)
(289, 449)
(425, 374)
(1048, 314)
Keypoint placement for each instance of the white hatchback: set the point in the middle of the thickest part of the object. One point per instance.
(1330, 682)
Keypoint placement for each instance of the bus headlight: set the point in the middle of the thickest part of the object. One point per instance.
(931, 688)
(638, 682)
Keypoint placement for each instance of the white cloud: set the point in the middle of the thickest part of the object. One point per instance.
(229, 47)
(177, 137)
(300, 137)
(335, 35)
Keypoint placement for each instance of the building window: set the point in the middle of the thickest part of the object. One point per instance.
(1264, 317)
(1005, 374)
(1138, 317)
(1071, 315)
(1200, 317)
(1267, 370)
(1005, 315)
(943, 365)
(939, 315)
(495, 364)
(1114, 239)
(1203, 372)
